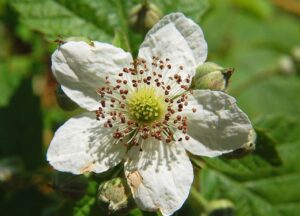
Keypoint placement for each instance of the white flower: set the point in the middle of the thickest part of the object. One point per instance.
(145, 113)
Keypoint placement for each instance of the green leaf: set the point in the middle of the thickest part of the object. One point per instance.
(135, 212)
(192, 8)
(121, 40)
(260, 189)
(54, 18)
(265, 150)
(84, 206)
(259, 8)
(244, 43)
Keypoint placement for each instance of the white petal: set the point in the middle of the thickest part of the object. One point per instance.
(82, 144)
(160, 176)
(218, 126)
(81, 69)
(177, 38)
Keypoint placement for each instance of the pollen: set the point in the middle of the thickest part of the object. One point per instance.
(145, 105)
(146, 101)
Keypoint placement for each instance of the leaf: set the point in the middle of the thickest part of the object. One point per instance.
(135, 212)
(259, 8)
(63, 18)
(84, 205)
(260, 190)
(191, 8)
(121, 40)
(260, 162)
(264, 150)
(241, 41)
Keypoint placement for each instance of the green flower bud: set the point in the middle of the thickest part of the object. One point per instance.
(144, 16)
(220, 207)
(70, 186)
(64, 101)
(211, 76)
(115, 194)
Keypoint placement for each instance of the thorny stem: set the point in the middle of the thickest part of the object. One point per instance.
(254, 80)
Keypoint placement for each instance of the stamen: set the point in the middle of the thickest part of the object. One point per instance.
(149, 107)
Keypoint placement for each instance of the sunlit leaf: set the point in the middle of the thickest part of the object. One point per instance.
(260, 190)
(64, 18)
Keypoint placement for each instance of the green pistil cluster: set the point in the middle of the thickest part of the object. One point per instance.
(145, 106)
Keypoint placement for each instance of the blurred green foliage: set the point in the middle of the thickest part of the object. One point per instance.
(251, 36)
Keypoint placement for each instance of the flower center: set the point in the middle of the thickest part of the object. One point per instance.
(145, 105)
(146, 100)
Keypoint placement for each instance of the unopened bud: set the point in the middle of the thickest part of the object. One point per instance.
(115, 194)
(144, 16)
(64, 101)
(220, 207)
(211, 76)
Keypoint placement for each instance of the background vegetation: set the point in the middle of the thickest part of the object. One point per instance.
(259, 38)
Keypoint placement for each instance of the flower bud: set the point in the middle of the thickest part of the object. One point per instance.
(144, 16)
(220, 207)
(64, 101)
(115, 194)
(211, 76)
